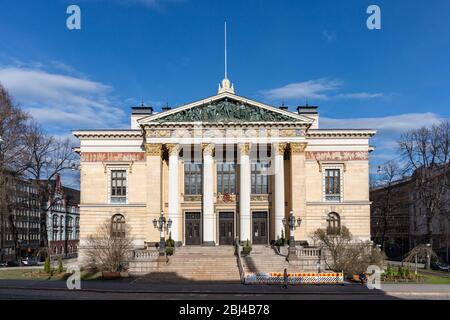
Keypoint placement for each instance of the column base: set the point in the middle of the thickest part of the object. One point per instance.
(209, 243)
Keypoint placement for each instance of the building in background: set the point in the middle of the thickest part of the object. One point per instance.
(63, 220)
(24, 224)
(406, 224)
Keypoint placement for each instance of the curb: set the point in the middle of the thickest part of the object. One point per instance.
(194, 291)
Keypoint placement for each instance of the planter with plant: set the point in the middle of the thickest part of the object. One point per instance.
(247, 248)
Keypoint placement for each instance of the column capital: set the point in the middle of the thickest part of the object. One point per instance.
(208, 149)
(298, 147)
(153, 149)
(280, 148)
(173, 148)
(244, 148)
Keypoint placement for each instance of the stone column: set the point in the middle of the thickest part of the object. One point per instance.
(154, 189)
(174, 191)
(279, 188)
(208, 195)
(298, 187)
(244, 192)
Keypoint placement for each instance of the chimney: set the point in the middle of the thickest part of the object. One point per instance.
(142, 110)
(139, 112)
(310, 112)
(283, 107)
(166, 107)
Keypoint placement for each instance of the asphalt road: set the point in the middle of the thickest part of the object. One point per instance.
(128, 289)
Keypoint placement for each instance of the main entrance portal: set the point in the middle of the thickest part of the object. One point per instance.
(192, 227)
(259, 230)
(226, 228)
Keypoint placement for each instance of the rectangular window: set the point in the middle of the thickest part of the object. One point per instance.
(332, 184)
(260, 178)
(118, 186)
(226, 178)
(192, 178)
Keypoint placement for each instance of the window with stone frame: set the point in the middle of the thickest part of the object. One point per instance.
(118, 186)
(118, 226)
(334, 224)
(226, 178)
(333, 184)
(260, 177)
(193, 178)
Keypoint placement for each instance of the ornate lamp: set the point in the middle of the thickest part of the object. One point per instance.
(162, 226)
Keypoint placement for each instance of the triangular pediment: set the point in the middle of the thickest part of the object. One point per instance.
(225, 108)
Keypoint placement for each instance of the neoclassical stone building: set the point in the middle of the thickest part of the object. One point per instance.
(224, 167)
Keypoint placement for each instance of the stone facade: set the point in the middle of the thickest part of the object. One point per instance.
(279, 162)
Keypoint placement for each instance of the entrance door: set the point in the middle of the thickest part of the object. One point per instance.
(192, 228)
(226, 228)
(260, 230)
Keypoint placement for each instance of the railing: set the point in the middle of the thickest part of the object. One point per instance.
(239, 260)
(145, 254)
(308, 252)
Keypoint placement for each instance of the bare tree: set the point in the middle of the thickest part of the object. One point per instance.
(108, 250)
(14, 161)
(389, 173)
(48, 158)
(347, 254)
(426, 154)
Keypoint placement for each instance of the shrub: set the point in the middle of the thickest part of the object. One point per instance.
(60, 266)
(346, 254)
(170, 242)
(47, 266)
(169, 251)
(247, 248)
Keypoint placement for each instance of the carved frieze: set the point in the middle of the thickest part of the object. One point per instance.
(259, 197)
(112, 156)
(226, 198)
(226, 111)
(337, 155)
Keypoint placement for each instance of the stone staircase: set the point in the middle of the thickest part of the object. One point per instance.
(265, 259)
(197, 263)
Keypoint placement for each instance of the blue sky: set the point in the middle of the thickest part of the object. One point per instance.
(159, 51)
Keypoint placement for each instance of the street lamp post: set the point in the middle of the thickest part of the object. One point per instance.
(163, 226)
(292, 223)
(428, 256)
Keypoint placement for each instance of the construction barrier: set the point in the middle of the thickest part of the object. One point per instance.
(293, 278)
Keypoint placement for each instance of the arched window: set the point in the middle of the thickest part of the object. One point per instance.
(118, 226)
(334, 224)
(55, 221)
(61, 221)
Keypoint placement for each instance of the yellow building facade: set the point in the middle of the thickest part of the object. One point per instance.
(225, 168)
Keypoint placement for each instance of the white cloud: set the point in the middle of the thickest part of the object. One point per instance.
(319, 89)
(389, 129)
(396, 123)
(62, 101)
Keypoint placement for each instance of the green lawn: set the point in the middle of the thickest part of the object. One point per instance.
(426, 279)
(433, 279)
(39, 274)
